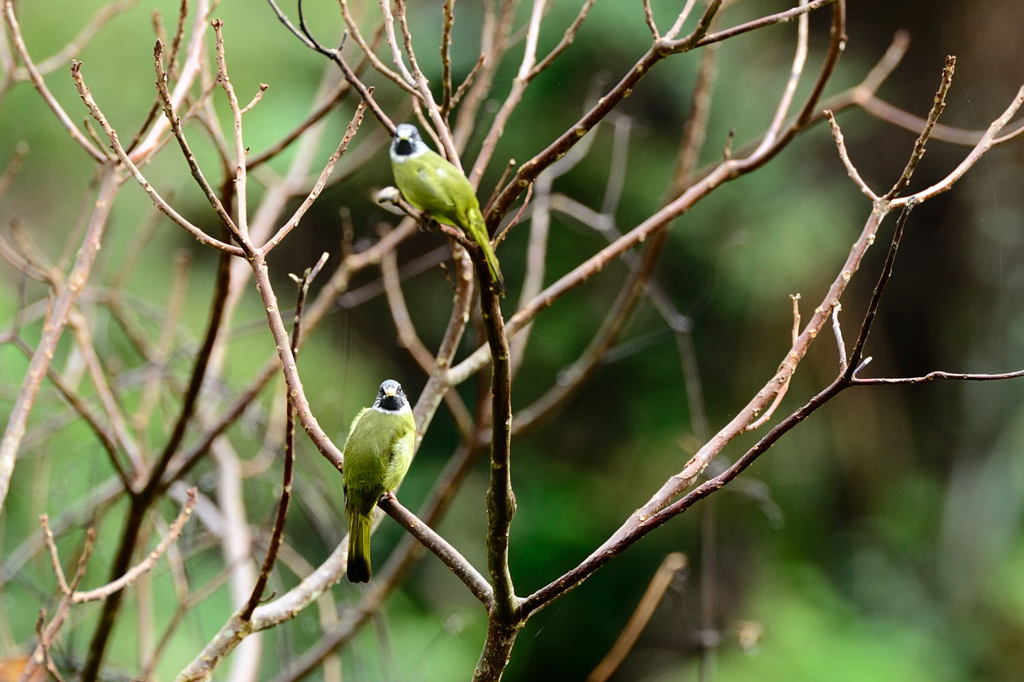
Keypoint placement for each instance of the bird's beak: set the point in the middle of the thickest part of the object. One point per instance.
(390, 392)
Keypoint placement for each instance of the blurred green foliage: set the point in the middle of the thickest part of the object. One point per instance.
(884, 541)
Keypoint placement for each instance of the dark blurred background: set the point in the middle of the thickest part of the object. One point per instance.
(880, 540)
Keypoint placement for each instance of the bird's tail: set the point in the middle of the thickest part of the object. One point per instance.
(358, 547)
(478, 231)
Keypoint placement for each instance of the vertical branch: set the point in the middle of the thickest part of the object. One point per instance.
(501, 502)
(241, 199)
(446, 57)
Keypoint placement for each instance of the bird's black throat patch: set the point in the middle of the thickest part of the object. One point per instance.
(403, 147)
(391, 403)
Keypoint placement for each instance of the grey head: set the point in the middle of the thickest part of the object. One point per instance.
(407, 143)
(390, 397)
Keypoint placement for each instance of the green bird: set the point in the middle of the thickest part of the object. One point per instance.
(377, 455)
(432, 184)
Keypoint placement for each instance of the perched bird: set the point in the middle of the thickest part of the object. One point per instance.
(377, 455)
(432, 184)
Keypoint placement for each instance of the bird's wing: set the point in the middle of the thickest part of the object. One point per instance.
(441, 178)
(400, 455)
(355, 421)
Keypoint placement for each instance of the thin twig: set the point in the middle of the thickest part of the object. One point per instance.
(844, 156)
(159, 201)
(837, 331)
(670, 567)
(857, 352)
(567, 38)
(193, 66)
(321, 182)
(448, 11)
(937, 374)
(40, 85)
(309, 41)
(938, 105)
(240, 175)
(146, 564)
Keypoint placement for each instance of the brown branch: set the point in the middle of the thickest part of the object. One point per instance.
(938, 105)
(193, 66)
(441, 548)
(330, 102)
(567, 38)
(987, 141)
(515, 95)
(46, 635)
(448, 11)
(844, 156)
(179, 33)
(51, 548)
(409, 338)
(289, 451)
(857, 354)
(656, 513)
(649, 18)
(159, 201)
(303, 34)
(670, 566)
(467, 82)
(937, 374)
(769, 20)
(14, 30)
(257, 262)
(501, 503)
(728, 169)
(296, 394)
(179, 134)
(529, 171)
(370, 52)
(241, 175)
(319, 308)
(144, 566)
(321, 182)
(440, 126)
